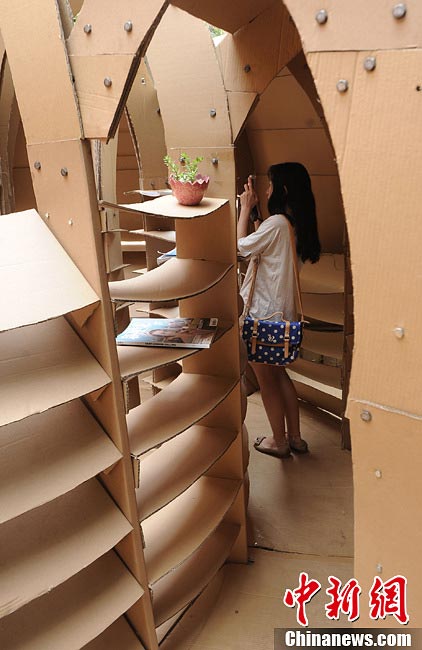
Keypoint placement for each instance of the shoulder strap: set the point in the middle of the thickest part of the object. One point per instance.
(295, 268)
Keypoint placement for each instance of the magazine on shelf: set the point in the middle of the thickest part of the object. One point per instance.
(169, 332)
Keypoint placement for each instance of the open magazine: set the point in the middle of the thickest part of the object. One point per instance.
(169, 332)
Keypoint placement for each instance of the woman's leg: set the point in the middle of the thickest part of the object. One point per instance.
(269, 382)
(291, 408)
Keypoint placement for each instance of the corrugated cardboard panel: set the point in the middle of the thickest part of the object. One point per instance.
(194, 450)
(188, 399)
(327, 276)
(265, 45)
(178, 588)
(119, 635)
(23, 189)
(240, 106)
(113, 251)
(7, 102)
(46, 546)
(30, 254)
(49, 454)
(307, 146)
(227, 16)
(381, 194)
(134, 360)
(173, 280)
(325, 307)
(46, 101)
(44, 365)
(188, 521)
(168, 206)
(173, 71)
(356, 25)
(76, 612)
(319, 398)
(329, 344)
(329, 375)
(387, 499)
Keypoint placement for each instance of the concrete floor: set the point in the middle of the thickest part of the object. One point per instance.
(301, 519)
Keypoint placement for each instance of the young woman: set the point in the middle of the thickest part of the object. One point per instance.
(290, 198)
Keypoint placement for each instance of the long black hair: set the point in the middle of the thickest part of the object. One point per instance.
(292, 196)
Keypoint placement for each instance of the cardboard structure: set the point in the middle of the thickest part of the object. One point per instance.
(114, 573)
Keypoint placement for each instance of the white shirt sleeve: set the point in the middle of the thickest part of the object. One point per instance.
(256, 242)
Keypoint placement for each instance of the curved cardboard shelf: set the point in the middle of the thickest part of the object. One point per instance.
(136, 359)
(47, 455)
(179, 587)
(329, 344)
(38, 279)
(316, 394)
(42, 366)
(183, 403)
(45, 547)
(168, 206)
(164, 312)
(174, 280)
(319, 372)
(170, 470)
(325, 277)
(324, 307)
(77, 611)
(118, 636)
(162, 235)
(187, 521)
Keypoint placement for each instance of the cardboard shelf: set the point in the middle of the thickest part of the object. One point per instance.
(171, 469)
(167, 206)
(77, 611)
(46, 546)
(164, 312)
(189, 398)
(47, 455)
(325, 277)
(179, 587)
(42, 366)
(162, 235)
(174, 280)
(38, 279)
(118, 636)
(324, 307)
(329, 344)
(188, 521)
(136, 359)
(320, 373)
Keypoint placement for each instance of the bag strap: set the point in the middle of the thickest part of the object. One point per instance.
(255, 261)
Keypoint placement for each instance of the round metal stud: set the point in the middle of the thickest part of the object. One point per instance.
(37, 164)
(370, 63)
(158, 110)
(399, 332)
(399, 10)
(378, 473)
(366, 416)
(47, 215)
(128, 26)
(87, 28)
(247, 68)
(143, 81)
(64, 171)
(214, 161)
(213, 112)
(107, 82)
(70, 222)
(321, 17)
(342, 85)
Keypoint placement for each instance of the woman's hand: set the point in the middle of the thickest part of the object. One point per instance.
(248, 198)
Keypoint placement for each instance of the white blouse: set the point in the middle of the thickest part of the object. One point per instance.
(275, 281)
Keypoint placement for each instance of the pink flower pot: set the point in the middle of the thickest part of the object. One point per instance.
(188, 193)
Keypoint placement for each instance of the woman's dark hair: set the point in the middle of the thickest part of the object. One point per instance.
(292, 196)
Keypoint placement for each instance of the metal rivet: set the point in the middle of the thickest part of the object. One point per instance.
(128, 26)
(70, 222)
(143, 81)
(321, 17)
(370, 63)
(37, 164)
(399, 332)
(87, 28)
(399, 11)
(213, 112)
(379, 568)
(182, 160)
(159, 110)
(107, 82)
(366, 416)
(247, 68)
(64, 171)
(378, 473)
(342, 85)
(214, 161)
(47, 215)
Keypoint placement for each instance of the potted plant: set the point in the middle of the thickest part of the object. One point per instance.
(187, 183)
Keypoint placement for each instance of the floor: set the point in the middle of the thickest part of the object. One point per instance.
(301, 520)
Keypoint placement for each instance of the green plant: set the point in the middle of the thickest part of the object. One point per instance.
(188, 169)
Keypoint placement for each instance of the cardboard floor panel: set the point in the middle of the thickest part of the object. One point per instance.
(305, 503)
(49, 454)
(42, 366)
(46, 546)
(39, 280)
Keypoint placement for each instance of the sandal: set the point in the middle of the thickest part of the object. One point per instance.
(277, 453)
